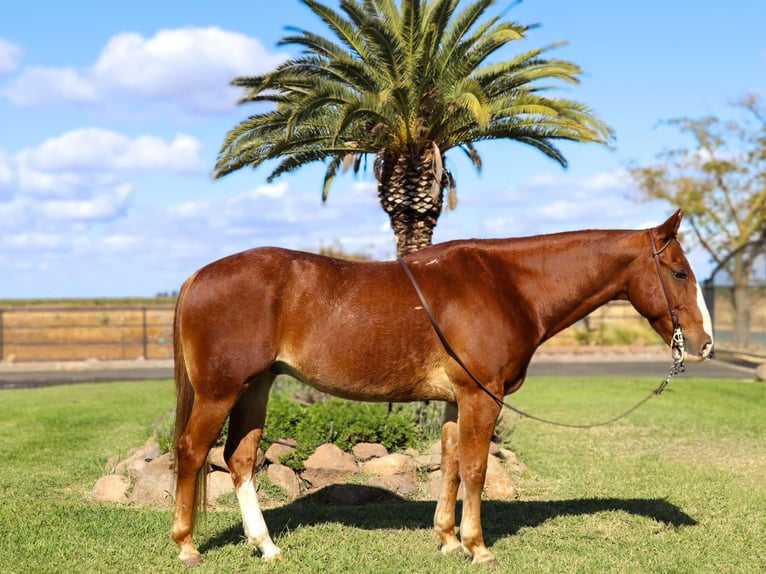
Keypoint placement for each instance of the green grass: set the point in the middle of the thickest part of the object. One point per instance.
(676, 487)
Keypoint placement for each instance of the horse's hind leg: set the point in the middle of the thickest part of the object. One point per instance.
(444, 517)
(245, 429)
(205, 423)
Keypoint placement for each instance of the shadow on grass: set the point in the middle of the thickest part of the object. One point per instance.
(383, 510)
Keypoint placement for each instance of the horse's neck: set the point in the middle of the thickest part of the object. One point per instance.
(572, 274)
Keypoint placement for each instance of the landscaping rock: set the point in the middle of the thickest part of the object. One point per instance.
(286, 479)
(428, 462)
(219, 484)
(327, 468)
(155, 484)
(365, 451)
(111, 488)
(215, 459)
(328, 465)
(404, 484)
(138, 459)
(498, 485)
(760, 372)
(279, 449)
(389, 465)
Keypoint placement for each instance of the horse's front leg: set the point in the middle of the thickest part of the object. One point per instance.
(476, 423)
(444, 518)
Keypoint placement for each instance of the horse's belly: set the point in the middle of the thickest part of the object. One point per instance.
(377, 385)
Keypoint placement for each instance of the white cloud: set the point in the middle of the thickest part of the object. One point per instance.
(189, 68)
(41, 86)
(9, 56)
(97, 149)
(103, 204)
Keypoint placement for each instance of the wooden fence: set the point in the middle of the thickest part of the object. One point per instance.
(93, 332)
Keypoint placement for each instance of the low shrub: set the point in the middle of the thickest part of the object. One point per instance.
(340, 422)
(331, 420)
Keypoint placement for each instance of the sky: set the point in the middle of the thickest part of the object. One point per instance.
(112, 115)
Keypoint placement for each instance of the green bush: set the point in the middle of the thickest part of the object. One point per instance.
(340, 422)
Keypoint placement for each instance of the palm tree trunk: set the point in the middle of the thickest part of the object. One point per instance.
(410, 189)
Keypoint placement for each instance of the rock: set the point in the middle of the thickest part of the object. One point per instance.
(428, 462)
(512, 461)
(403, 484)
(389, 465)
(111, 488)
(284, 477)
(498, 485)
(435, 448)
(155, 484)
(111, 464)
(219, 483)
(365, 451)
(328, 465)
(760, 372)
(138, 459)
(434, 486)
(277, 450)
(215, 458)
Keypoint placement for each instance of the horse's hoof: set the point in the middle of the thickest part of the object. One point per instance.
(455, 549)
(486, 561)
(273, 557)
(191, 560)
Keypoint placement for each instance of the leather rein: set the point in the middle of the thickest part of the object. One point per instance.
(677, 344)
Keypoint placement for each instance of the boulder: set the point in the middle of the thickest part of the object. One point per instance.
(404, 484)
(111, 488)
(285, 478)
(277, 450)
(215, 458)
(497, 484)
(760, 372)
(155, 484)
(219, 484)
(389, 465)
(328, 465)
(365, 451)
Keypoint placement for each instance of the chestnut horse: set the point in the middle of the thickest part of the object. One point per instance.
(358, 330)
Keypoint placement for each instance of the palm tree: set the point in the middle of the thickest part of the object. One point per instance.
(405, 82)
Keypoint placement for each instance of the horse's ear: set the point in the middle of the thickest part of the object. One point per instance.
(669, 229)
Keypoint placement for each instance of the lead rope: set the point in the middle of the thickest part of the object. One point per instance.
(674, 370)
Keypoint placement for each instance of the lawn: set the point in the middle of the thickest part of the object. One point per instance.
(676, 487)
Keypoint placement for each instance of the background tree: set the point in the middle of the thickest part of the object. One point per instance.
(721, 185)
(405, 82)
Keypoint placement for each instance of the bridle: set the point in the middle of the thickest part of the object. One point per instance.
(677, 344)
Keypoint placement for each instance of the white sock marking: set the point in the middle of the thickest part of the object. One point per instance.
(252, 519)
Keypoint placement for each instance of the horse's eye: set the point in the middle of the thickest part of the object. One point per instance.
(680, 274)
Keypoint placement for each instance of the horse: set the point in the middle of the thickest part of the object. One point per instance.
(358, 330)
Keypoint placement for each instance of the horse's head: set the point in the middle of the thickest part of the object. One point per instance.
(666, 292)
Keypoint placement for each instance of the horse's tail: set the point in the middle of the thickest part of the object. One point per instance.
(185, 400)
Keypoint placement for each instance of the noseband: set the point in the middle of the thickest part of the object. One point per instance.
(677, 341)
